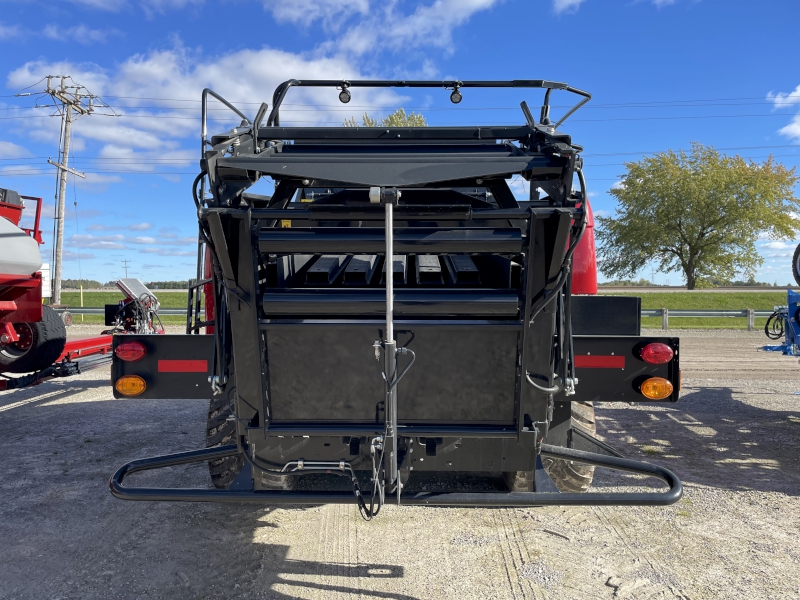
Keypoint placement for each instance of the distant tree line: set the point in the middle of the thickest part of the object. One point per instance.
(169, 285)
(627, 283)
(88, 284)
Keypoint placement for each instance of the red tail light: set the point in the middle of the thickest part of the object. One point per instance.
(657, 353)
(130, 351)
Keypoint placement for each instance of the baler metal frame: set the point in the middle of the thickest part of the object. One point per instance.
(242, 231)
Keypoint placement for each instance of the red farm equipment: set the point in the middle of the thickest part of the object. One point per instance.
(33, 336)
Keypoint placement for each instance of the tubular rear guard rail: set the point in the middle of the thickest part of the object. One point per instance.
(475, 499)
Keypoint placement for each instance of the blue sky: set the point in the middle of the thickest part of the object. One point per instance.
(663, 73)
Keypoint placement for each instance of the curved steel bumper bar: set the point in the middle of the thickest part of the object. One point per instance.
(477, 499)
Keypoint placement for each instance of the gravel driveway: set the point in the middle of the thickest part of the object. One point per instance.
(734, 439)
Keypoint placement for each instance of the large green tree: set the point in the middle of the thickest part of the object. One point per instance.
(398, 118)
(699, 213)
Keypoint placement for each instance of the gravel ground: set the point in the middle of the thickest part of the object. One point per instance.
(734, 439)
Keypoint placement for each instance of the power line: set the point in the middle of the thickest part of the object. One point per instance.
(72, 101)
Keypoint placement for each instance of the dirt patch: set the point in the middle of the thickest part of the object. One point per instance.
(734, 439)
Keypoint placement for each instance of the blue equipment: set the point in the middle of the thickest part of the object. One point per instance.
(785, 323)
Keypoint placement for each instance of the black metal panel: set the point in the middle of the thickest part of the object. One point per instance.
(621, 383)
(462, 270)
(361, 134)
(398, 323)
(326, 269)
(606, 315)
(343, 302)
(360, 269)
(371, 240)
(397, 169)
(349, 212)
(428, 269)
(162, 379)
(321, 373)
(399, 270)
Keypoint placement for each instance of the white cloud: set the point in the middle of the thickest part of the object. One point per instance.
(140, 226)
(177, 74)
(109, 5)
(70, 255)
(792, 130)
(168, 252)
(660, 3)
(149, 6)
(568, 6)
(778, 245)
(105, 242)
(782, 99)
(428, 26)
(10, 31)
(10, 150)
(332, 13)
(144, 240)
(79, 33)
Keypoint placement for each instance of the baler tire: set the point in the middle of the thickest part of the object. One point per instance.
(796, 264)
(221, 431)
(568, 476)
(48, 338)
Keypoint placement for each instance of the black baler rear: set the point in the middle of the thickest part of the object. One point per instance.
(461, 360)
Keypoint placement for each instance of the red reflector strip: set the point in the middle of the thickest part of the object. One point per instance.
(183, 366)
(585, 361)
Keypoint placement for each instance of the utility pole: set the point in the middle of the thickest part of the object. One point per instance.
(125, 262)
(71, 101)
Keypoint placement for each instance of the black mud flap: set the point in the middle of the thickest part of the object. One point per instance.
(173, 366)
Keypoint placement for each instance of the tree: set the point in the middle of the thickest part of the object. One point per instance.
(700, 213)
(398, 118)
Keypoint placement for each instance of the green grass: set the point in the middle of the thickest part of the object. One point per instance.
(714, 300)
(100, 299)
(709, 300)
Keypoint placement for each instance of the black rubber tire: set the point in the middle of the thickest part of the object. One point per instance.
(796, 264)
(219, 432)
(47, 340)
(568, 476)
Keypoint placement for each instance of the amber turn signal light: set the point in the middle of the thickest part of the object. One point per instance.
(130, 385)
(656, 388)
(657, 353)
(130, 351)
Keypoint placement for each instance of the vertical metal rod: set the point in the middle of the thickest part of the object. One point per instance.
(389, 272)
(390, 347)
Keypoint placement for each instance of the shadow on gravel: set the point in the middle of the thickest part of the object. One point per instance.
(65, 536)
(710, 438)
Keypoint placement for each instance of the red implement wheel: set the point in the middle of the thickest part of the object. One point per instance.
(39, 344)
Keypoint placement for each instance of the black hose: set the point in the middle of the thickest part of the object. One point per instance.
(549, 295)
(774, 328)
